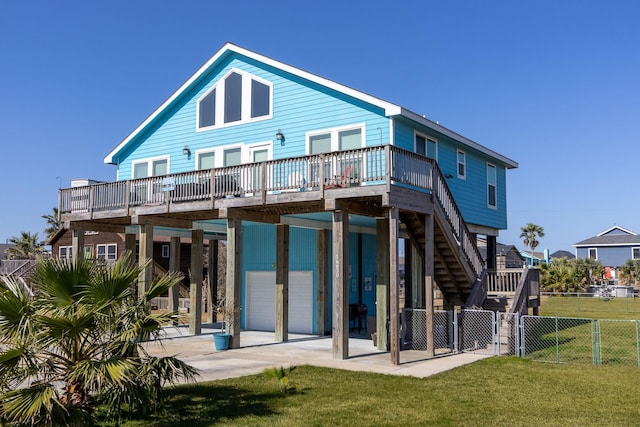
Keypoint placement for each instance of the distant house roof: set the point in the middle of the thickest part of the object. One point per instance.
(562, 254)
(614, 236)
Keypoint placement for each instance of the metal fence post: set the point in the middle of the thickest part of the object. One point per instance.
(456, 332)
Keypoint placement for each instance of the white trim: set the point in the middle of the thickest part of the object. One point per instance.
(464, 163)
(635, 247)
(335, 132)
(427, 138)
(589, 252)
(250, 148)
(456, 136)
(245, 114)
(149, 161)
(616, 227)
(106, 251)
(390, 109)
(495, 185)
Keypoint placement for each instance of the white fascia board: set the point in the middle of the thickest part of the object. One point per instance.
(389, 108)
(511, 164)
(617, 227)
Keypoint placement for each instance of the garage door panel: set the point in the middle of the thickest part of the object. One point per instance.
(261, 301)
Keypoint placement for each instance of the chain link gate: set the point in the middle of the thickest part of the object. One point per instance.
(476, 331)
(508, 334)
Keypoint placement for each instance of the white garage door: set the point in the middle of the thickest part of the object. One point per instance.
(261, 301)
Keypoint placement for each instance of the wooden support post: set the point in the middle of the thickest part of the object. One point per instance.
(491, 253)
(195, 282)
(174, 266)
(382, 282)
(429, 281)
(233, 291)
(212, 276)
(282, 283)
(130, 245)
(394, 283)
(322, 297)
(146, 254)
(340, 285)
(77, 245)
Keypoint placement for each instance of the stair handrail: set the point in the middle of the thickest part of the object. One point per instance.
(448, 204)
(479, 293)
(527, 288)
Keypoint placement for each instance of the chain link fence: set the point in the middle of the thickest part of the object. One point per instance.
(540, 338)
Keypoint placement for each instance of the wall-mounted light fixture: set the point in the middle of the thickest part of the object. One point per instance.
(448, 176)
(280, 137)
(186, 151)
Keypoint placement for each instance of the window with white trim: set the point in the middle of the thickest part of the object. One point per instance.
(238, 97)
(219, 157)
(165, 251)
(593, 253)
(635, 253)
(426, 146)
(492, 197)
(107, 252)
(150, 167)
(65, 252)
(462, 164)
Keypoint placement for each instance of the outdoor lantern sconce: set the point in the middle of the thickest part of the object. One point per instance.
(186, 151)
(448, 176)
(280, 137)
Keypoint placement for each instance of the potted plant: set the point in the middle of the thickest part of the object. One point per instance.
(222, 338)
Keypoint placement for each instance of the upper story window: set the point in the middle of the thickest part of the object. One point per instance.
(593, 253)
(426, 146)
(151, 167)
(237, 98)
(335, 140)
(635, 253)
(492, 201)
(462, 164)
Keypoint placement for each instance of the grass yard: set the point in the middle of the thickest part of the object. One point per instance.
(500, 391)
(591, 307)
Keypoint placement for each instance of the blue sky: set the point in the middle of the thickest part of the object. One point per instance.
(554, 85)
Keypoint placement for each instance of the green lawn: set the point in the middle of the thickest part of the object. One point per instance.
(499, 391)
(593, 308)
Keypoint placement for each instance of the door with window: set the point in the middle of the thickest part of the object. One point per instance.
(257, 154)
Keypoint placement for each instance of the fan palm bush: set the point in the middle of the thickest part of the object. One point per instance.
(77, 344)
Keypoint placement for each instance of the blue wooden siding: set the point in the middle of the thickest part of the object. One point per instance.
(298, 107)
(609, 256)
(471, 193)
(259, 254)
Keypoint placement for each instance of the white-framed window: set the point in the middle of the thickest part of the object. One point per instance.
(209, 158)
(426, 146)
(238, 97)
(462, 164)
(107, 252)
(492, 196)
(337, 139)
(88, 251)
(592, 253)
(165, 251)
(635, 253)
(65, 252)
(156, 166)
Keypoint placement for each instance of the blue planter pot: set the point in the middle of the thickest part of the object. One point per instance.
(221, 341)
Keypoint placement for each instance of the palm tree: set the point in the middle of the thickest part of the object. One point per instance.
(53, 222)
(76, 344)
(530, 233)
(27, 246)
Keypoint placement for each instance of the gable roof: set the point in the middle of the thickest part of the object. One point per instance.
(562, 254)
(614, 236)
(389, 108)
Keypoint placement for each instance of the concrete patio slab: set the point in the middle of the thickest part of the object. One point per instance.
(260, 351)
